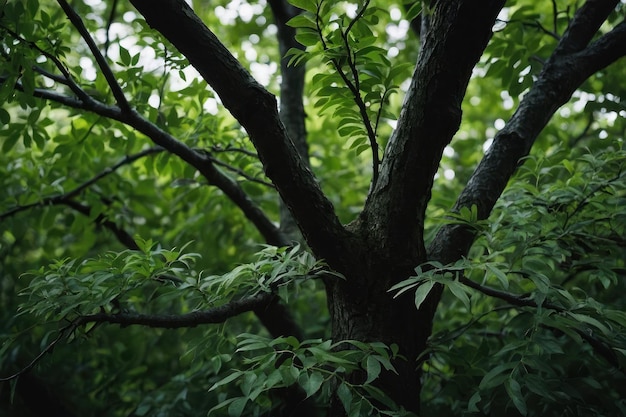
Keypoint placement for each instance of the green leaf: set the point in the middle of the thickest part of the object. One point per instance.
(496, 376)
(345, 396)
(226, 380)
(124, 56)
(308, 5)
(10, 142)
(373, 369)
(311, 383)
(235, 409)
(459, 291)
(583, 318)
(307, 37)
(473, 402)
(422, 292)
(414, 11)
(5, 117)
(504, 281)
(302, 21)
(514, 390)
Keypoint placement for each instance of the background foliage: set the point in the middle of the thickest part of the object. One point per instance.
(555, 243)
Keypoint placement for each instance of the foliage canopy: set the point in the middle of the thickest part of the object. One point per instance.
(149, 255)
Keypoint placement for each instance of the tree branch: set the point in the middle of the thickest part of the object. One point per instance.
(291, 103)
(66, 78)
(100, 60)
(62, 333)
(61, 199)
(598, 346)
(255, 108)
(240, 172)
(122, 235)
(585, 25)
(176, 321)
(197, 159)
(395, 208)
(110, 19)
(562, 74)
(213, 316)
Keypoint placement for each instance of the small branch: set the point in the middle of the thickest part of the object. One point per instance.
(240, 172)
(63, 198)
(54, 77)
(68, 79)
(62, 333)
(354, 87)
(102, 63)
(110, 20)
(533, 24)
(584, 26)
(213, 316)
(517, 300)
(598, 346)
(196, 159)
(122, 235)
(583, 202)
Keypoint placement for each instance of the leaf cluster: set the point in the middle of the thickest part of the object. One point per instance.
(359, 78)
(318, 366)
(537, 293)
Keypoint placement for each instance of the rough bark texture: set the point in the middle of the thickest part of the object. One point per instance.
(391, 225)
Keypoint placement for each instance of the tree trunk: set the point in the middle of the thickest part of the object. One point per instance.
(362, 308)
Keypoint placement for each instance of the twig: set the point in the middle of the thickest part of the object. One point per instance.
(63, 198)
(586, 198)
(100, 60)
(48, 349)
(598, 346)
(196, 159)
(76, 89)
(533, 24)
(240, 172)
(212, 316)
(107, 42)
(353, 87)
(122, 235)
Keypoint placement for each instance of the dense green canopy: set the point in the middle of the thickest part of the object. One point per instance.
(150, 257)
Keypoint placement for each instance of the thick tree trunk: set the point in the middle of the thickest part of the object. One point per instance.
(390, 228)
(372, 315)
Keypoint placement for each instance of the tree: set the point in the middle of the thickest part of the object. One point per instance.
(103, 142)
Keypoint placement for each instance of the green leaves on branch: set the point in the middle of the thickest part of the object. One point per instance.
(127, 280)
(315, 366)
(153, 279)
(536, 281)
(359, 79)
